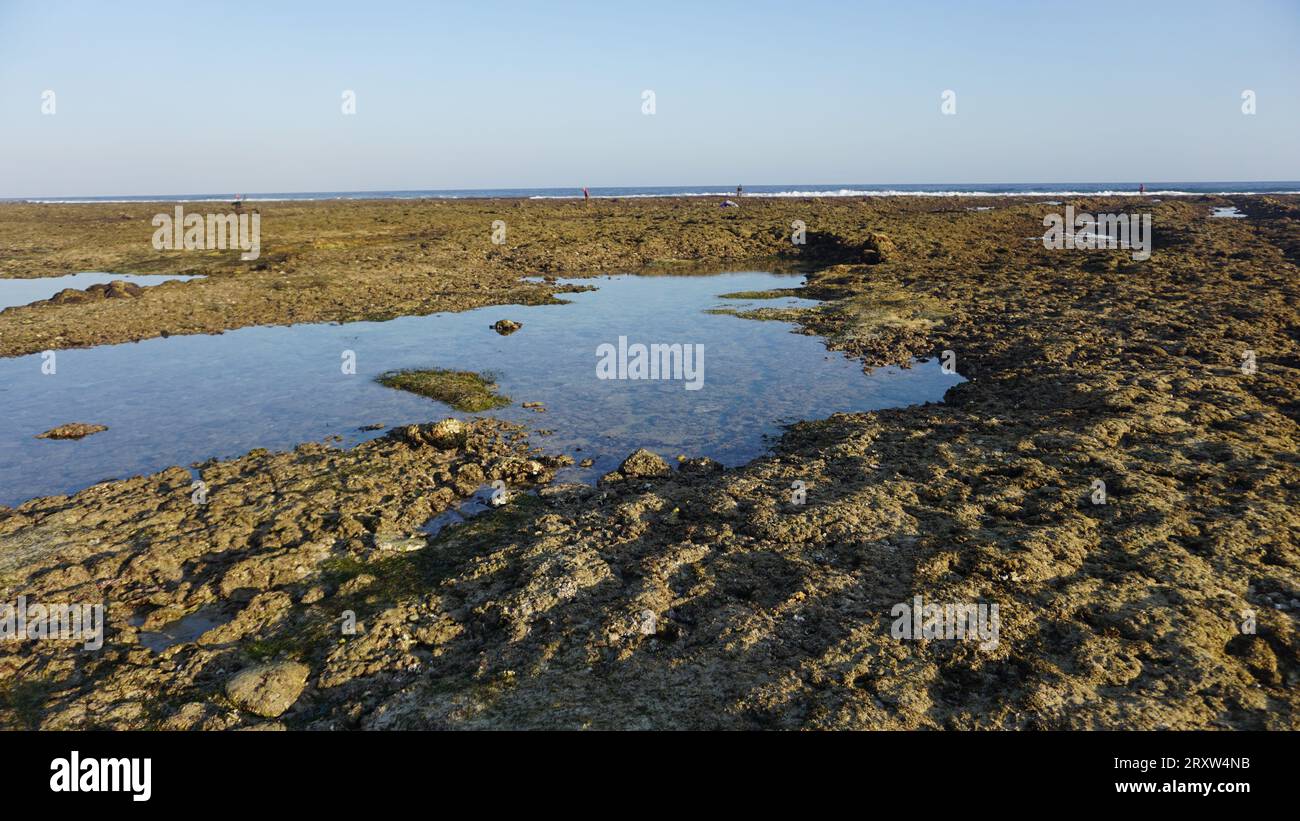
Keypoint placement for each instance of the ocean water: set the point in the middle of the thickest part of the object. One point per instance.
(1062, 189)
(184, 399)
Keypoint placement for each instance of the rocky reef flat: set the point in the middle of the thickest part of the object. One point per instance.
(301, 590)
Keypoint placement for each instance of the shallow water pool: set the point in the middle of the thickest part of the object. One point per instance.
(1226, 212)
(183, 399)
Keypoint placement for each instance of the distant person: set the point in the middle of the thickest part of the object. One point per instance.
(586, 195)
(1142, 189)
(740, 192)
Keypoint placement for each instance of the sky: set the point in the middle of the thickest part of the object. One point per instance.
(174, 98)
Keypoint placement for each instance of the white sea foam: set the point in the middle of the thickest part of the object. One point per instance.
(891, 192)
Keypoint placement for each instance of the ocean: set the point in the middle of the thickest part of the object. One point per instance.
(1163, 189)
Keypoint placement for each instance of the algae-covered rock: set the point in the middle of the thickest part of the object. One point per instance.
(463, 390)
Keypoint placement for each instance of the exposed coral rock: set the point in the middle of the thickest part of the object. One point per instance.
(643, 463)
(72, 430)
(449, 433)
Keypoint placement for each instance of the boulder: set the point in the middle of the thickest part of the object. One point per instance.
(268, 689)
(447, 434)
(120, 289)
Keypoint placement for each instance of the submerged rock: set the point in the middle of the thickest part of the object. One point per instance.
(463, 390)
(270, 689)
(72, 430)
(505, 327)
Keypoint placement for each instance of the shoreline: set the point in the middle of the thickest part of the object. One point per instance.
(833, 190)
(794, 195)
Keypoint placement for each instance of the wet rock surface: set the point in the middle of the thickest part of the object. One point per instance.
(505, 327)
(705, 597)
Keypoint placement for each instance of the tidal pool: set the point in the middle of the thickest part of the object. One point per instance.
(185, 629)
(184, 399)
(15, 292)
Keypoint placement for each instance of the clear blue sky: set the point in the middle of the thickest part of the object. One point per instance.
(175, 97)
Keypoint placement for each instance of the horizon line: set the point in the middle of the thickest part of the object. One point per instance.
(579, 188)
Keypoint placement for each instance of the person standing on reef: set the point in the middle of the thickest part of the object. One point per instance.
(740, 192)
(586, 195)
(1142, 189)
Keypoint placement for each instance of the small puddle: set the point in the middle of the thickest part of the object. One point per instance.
(15, 292)
(1226, 212)
(480, 502)
(181, 631)
(184, 399)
